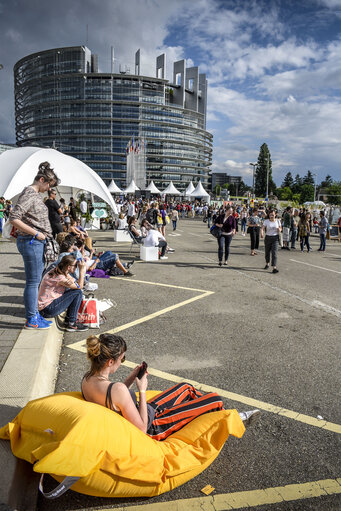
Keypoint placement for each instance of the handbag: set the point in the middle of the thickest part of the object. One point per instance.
(215, 231)
(7, 230)
(88, 313)
(51, 250)
(167, 219)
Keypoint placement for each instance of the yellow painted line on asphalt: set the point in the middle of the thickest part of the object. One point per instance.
(246, 499)
(80, 345)
(164, 285)
(315, 266)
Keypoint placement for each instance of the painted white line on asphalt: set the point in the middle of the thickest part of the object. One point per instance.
(312, 303)
(334, 255)
(315, 266)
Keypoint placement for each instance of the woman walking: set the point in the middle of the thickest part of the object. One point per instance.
(254, 223)
(304, 231)
(272, 228)
(227, 223)
(30, 217)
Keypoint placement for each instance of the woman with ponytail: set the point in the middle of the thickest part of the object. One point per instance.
(166, 413)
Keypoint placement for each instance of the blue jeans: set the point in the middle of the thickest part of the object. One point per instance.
(107, 261)
(1, 224)
(224, 240)
(209, 222)
(33, 256)
(293, 237)
(70, 301)
(174, 225)
(322, 242)
(243, 225)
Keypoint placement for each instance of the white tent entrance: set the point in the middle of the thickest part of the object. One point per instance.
(18, 168)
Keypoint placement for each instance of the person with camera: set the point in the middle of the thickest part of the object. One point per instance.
(31, 219)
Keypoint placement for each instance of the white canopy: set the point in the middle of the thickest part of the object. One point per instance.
(131, 188)
(199, 191)
(318, 203)
(113, 188)
(171, 190)
(153, 189)
(189, 189)
(18, 168)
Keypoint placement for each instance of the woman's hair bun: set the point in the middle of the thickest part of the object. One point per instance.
(93, 345)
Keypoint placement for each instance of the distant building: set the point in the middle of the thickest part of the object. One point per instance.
(63, 101)
(221, 178)
(5, 147)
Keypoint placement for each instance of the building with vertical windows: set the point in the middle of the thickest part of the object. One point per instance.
(63, 101)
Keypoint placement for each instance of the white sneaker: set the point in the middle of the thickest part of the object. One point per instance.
(163, 257)
(249, 417)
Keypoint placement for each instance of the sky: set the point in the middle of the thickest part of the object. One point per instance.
(273, 67)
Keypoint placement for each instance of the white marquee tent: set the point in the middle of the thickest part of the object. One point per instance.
(199, 191)
(189, 189)
(18, 168)
(131, 188)
(113, 188)
(171, 190)
(153, 189)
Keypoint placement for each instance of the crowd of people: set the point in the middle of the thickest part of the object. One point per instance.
(276, 230)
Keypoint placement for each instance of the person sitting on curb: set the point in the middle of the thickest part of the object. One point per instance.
(59, 292)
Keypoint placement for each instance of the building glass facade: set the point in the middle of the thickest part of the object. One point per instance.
(62, 101)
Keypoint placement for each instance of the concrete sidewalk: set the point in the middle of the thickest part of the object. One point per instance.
(28, 365)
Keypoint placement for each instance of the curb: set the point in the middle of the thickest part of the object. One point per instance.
(29, 373)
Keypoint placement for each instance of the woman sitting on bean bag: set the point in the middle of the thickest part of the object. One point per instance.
(166, 413)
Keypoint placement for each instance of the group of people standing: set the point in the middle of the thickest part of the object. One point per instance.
(295, 224)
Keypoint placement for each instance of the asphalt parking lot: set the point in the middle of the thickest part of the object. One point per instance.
(248, 334)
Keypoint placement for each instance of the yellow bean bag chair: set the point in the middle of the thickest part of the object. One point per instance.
(63, 435)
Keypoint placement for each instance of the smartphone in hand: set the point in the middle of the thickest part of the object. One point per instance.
(142, 370)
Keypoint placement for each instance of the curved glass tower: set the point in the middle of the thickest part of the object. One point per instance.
(62, 101)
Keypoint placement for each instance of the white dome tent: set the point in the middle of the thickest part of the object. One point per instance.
(20, 166)
(199, 191)
(153, 189)
(171, 190)
(189, 189)
(113, 188)
(131, 188)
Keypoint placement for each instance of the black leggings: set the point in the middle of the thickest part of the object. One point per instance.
(254, 236)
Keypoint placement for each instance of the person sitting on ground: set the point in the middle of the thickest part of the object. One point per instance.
(155, 239)
(59, 291)
(88, 257)
(165, 414)
(121, 222)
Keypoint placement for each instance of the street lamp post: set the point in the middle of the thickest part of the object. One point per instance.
(253, 179)
(315, 186)
(267, 179)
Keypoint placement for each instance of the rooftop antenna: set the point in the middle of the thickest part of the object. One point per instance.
(112, 59)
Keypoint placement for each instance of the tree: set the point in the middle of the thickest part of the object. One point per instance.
(307, 193)
(308, 179)
(217, 190)
(328, 181)
(284, 193)
(296, 188)
(264, 168)
(288, 181)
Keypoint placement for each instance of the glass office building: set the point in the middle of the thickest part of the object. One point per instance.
(63, 101)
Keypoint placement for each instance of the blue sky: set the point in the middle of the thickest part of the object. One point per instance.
(274, 67)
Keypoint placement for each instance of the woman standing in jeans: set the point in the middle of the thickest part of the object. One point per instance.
(272, 228)
(254, 223)
(30, 217)
(59, 291)
(227, 223)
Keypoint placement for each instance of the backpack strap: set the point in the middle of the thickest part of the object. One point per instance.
(60, 489)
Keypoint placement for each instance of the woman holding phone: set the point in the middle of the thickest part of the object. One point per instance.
(166, 413)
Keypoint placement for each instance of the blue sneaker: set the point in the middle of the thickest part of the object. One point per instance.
(37, 323)
(44, 319)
